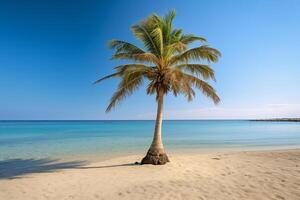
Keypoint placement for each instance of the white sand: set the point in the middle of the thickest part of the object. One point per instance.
(236, 175)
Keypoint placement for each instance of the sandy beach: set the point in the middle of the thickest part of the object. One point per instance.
(224, 175)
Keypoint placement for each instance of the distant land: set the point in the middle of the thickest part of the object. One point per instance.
(278, 120)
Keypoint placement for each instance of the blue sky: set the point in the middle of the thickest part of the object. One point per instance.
(52, 51)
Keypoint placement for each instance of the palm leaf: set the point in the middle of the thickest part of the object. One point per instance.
(141, 57)
(198, 54)
(190, 38)
(124, 47)
(132, 67)
(157, 37)
(107, 77)
(181, 85)
(144, 36)
(204, 70)
(207, 89)
(127, 86)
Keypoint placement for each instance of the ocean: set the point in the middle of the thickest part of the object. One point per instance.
(106, 139)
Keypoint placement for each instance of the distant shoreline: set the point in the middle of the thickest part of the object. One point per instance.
(278, 120)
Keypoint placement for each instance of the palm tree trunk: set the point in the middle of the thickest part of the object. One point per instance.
(156, 154)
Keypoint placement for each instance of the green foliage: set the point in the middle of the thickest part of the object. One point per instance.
(166, 62)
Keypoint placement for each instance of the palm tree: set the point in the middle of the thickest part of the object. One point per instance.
(168, 66)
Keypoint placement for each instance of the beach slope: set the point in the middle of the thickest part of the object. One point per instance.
(225, 175)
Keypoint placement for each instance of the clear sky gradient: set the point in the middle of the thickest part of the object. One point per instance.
(52, 51)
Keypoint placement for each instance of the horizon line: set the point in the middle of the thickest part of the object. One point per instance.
(285, 118)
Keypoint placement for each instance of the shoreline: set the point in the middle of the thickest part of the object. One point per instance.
(105, 156)
(251, 175)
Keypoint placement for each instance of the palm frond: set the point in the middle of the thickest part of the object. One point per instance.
(124, 47)
(117, 74)
(198, 69)
(127, 86)
(166, 26)
(207, 89)
(176, 47)
(132, 67)
(141, 57)
(151, 88)
(143, 31)
(199, 53)
(157, 37)
(169, 17)
(190, 38)
(181, 85)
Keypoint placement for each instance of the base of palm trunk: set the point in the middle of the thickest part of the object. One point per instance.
(155, 157)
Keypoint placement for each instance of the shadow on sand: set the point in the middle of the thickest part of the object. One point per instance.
(15, 168)
(110, 166)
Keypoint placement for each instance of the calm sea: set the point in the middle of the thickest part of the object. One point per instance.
(101, 139)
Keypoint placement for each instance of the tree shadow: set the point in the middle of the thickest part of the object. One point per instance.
(110, 166)
(15, 168)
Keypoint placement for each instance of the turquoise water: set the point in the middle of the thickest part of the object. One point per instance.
(63, 139)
